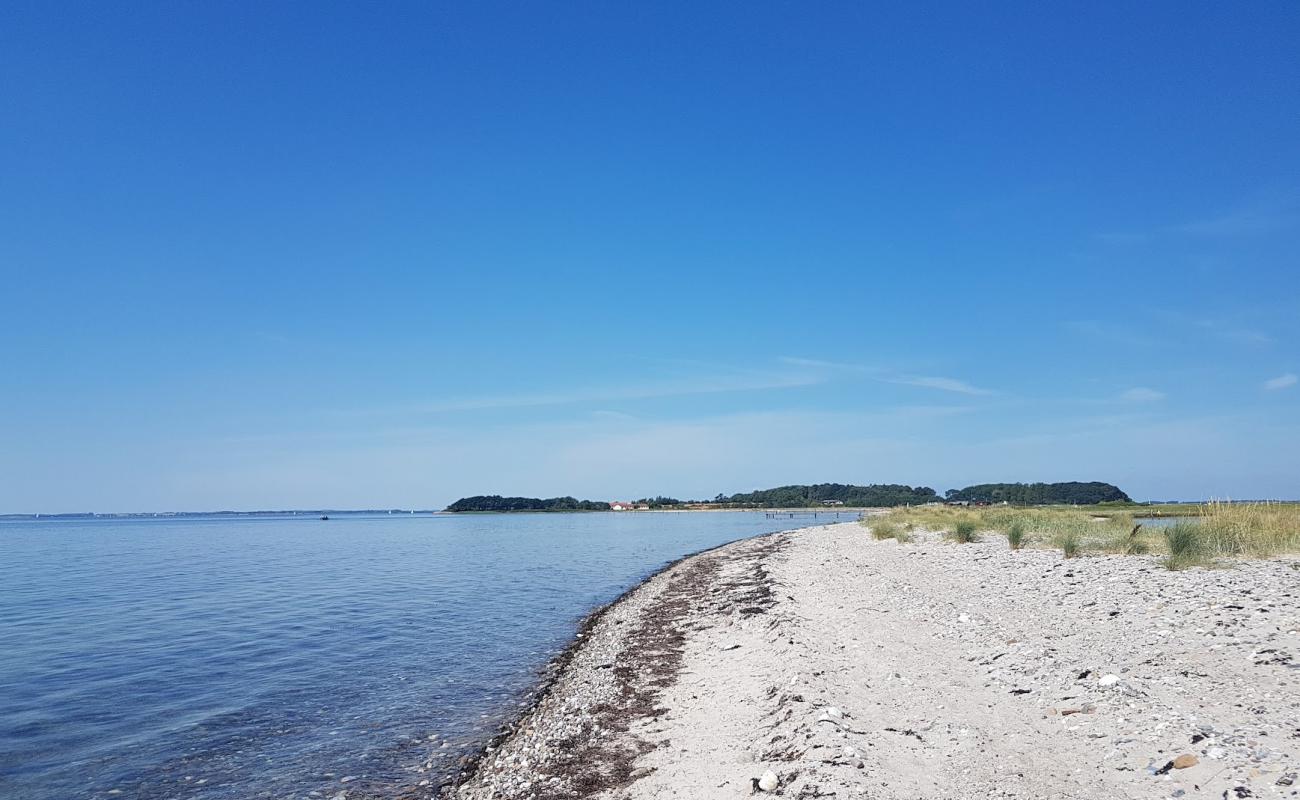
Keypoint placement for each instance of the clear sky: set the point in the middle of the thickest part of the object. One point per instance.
(270, 255)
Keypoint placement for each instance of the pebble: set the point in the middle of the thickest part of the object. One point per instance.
(1206, 673)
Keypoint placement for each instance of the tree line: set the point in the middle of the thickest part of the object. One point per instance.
(821, 494)
(803, 496)
(495, 502)
(1031, 494)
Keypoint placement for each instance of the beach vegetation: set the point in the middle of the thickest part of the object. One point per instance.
(1221, 530)
(1016, 534)
(1134, 544)
(1187, 546)
(885, 529)
(964, 531)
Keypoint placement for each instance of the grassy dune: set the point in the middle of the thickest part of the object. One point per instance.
(1216, 531)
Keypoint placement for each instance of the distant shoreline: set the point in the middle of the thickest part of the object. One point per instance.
(91, 515)
(1161, 508)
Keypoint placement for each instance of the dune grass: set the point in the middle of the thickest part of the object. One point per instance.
(885, 529)
(882, 529)
(1188, 546)
(1070, 542)
(1255, 530)
(1217, 531)
(964, 531)
(1016, 535)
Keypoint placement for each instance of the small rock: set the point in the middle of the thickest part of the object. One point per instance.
(1216, 752)
(1185, 760)
(769, 782)
(1107, 680)
(834, 713)
(1287, 779)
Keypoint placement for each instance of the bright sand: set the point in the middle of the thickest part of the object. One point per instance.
(858, 668)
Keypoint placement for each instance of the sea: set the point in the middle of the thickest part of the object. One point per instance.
(212, 658)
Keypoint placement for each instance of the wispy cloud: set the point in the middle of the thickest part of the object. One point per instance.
(1243, 222)
(1229, 332)
(1281, 381)
(717, 384)
(817, 363)
(1110, 333)
(1122, 238)
(887, 376)
(942, 384)
(685, 388)
(1247, 336)
(1273, 214)
(1141, 394)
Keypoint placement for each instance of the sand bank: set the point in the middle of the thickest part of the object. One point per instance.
(849, 667)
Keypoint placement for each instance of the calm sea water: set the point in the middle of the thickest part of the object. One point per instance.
(271, 657)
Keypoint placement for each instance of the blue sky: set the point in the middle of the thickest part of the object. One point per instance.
(274, 255)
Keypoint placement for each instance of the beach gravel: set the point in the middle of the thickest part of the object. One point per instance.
(848, 667)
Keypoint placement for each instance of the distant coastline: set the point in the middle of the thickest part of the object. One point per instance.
(301, 512)
(819, 495)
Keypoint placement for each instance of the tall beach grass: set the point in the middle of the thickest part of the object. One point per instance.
(1217, 531)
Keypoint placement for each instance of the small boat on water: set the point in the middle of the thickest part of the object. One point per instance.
(324, 516)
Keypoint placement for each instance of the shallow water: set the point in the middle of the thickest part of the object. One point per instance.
(276, 657)
(1164, 521)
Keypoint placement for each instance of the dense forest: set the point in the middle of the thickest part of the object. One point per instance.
(495, 502)
(1071, 492)
(848, 494)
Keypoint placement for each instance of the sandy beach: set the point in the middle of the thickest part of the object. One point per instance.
(821, 662)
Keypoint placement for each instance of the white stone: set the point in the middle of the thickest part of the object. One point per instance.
(1108, 680)
(769, 782)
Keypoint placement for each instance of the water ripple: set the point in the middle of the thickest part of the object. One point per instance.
(235, 658)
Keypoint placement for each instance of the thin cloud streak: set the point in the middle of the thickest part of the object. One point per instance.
(942, 384)
(1238, 223)
(923, 381)
(819, 364)
(1141, 394)
(1248, 221)
(1281, 382)
(603, 394)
